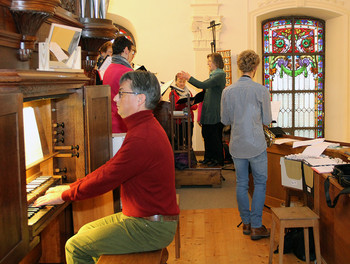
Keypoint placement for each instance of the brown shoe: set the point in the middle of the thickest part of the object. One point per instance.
(258, 233)
(246, 229)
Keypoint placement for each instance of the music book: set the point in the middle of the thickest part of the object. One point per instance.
(198, 98)
(140, 68)
(104, 66)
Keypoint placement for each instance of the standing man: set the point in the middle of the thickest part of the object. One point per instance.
(122, 55)
(246, 106)
(144, 170)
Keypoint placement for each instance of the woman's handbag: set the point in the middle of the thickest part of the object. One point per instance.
(342, 173)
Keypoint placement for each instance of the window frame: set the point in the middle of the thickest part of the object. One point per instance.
(318, 131)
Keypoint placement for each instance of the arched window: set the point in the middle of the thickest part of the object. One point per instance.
(293, 61)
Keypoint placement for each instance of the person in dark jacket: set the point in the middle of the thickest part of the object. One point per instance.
(210, 116)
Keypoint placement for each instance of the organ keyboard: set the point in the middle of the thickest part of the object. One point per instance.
(40, 217)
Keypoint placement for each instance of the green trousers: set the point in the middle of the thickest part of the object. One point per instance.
(118, 234)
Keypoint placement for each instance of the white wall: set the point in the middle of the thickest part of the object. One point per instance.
(163, 34)
(164, 39)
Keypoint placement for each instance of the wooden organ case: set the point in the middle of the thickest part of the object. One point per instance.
(73, 123)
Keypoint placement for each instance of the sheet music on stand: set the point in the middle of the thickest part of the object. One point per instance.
(165, 86)
(198, 98)
(275, 109)
(104, 66)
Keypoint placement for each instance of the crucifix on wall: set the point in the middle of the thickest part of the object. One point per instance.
(213, 28)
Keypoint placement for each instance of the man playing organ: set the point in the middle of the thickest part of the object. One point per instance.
(144, 170)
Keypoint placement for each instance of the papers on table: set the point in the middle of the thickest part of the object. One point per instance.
(323, 169)
(322, 161)
(307, 142)
(279, 141)
(316, 148)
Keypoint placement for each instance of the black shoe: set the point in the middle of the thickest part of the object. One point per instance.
(215, 163)
(212, 163)
(205, 161)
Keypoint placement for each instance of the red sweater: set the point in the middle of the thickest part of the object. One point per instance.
(143, 167)
(112, 77)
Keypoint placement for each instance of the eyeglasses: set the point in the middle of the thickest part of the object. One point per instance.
(120, 93)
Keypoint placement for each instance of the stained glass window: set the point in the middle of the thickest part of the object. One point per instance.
(293, 67)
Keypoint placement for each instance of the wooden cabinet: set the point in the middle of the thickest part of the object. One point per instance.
(56, 98)
(334, 222)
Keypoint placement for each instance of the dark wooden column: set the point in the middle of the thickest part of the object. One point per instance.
(96, 31)
(28, 16)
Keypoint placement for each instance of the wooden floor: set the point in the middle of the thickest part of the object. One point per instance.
(211, 236)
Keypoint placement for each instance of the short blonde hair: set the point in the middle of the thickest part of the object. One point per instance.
(248, 60)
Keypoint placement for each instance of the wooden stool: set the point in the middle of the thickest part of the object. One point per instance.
(152, 257)
(177, 234)
(295, 217)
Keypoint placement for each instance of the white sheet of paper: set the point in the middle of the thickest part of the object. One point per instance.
(275, 109)
(57, 51)
(307, 142)
(165, 86)
(323, 169)
(314, 150)
(279, 141)
(322, 161)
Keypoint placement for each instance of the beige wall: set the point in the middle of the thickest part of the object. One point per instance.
(165, 42)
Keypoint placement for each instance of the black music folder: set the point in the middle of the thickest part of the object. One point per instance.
(140, 68)
(198, 98)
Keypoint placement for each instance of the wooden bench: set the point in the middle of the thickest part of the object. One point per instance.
(151, 257)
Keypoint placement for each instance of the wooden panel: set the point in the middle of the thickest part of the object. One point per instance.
(274, 189)
(13, 219)
(69, 110)
(98, 113)
(334, 224)
(98, 148)
(54, 237)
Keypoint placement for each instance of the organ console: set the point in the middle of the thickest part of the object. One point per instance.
(74, 131)
(85, 111)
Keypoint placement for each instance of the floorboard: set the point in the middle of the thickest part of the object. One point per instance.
(211, 236)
